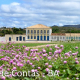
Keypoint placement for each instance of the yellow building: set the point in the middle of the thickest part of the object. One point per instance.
(41, 32)
(38, 32)
(72, 36)
(15, 37)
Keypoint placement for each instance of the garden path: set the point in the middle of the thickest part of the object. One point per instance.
(41, 46)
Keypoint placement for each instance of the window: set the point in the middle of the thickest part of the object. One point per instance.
(20, 38)
(76, 37)
(66, 37)
(31, 37)
(41, 31)
(31, 31)
(60, 37)
(79, 38)
(48, 31)
(34, 37)
(9, 38)
(16, 38)
(52, 37)
(28, 31)
(69, 38)
(44, 31)
(28, 36)
(34, 31)
(23, 38)
(55, 37)
(63, 37)
(38, 31)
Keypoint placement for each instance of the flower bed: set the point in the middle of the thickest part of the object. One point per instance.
(51, 63)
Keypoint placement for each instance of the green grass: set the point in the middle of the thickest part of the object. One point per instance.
(31, 44)
(0, 44)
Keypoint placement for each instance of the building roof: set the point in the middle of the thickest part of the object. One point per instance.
(38, 26)
(61, 34)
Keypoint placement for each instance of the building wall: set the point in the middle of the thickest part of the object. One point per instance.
(38, 34)
(58, 38)
(13, 37)
(2, 39)
(72, 36)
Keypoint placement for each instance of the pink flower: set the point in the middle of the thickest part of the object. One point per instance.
(74, 54)
(50, 53)
(65, 62)
(14, 63)
(61, 46)
(61, 57)
(56, 55)
(47, 45)
(36, 49)
(39, 67)
(11, 61)
(77, 62)
(28, 61)
(50, 66)
(35, 70)
(47, 69)
(46, 63)
(56, 46)
(3, 78)
(49, 58)
(20, 64)
(59, 51)
(13, 53)
(56, 52)
(0, 67)
(50, 49)
(77, 78)
(58, 71)
(14, 68)
(76, 58)
(67, 54)
(17, 56)
(33, 65)
(44, 51)
(32, 70)
(8, 69)
(44, 55)
(27, 49)
(76, 47)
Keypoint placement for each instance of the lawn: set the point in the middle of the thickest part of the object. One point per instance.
(31, 44)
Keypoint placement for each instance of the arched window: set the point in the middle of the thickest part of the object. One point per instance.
(20, 38)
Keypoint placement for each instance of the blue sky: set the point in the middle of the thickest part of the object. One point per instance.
(25, 13)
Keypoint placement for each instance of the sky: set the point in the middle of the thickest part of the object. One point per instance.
(25, 13)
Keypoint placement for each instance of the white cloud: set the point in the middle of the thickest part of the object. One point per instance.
(47, 12)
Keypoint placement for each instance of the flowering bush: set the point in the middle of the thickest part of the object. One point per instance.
(20, 63)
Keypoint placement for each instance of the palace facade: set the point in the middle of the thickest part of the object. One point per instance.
(41, 32)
